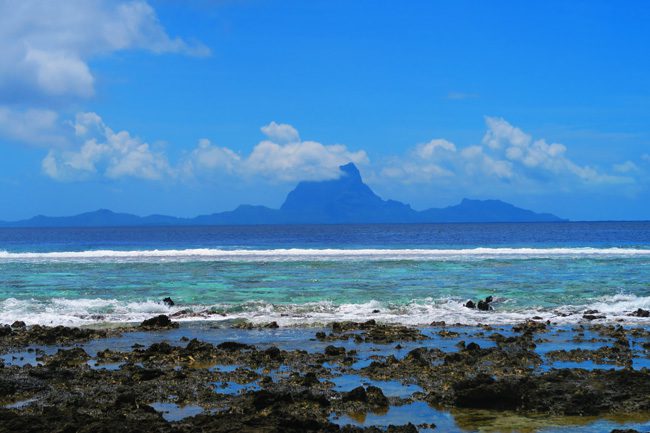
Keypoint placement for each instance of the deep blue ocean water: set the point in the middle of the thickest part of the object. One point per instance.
(315, 274)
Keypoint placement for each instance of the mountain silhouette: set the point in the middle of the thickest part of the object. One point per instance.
(345, 200)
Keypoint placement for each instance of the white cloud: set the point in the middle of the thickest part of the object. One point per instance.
(45, 45)
(428, 150)
(280, 132)
(107, 153)
(500, 132)
(626, 167)
(206, 158)
(283, 157)
(506, 155)
(102, 152)
(537, 155)
(34, 126)
(302, 160)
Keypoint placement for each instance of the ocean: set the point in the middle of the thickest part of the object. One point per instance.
(314, 274)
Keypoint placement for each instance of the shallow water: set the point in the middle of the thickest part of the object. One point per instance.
(299, 275)
(346, 377)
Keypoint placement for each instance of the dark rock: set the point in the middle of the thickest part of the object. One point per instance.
(592, 316)
(640, 313)
(146, 374)
(309, 380)
(530, 326)
(489, 299)
(197, 346)
(470, 304)
(161, 348)
(18, 324)
(472, 346)
(272, 325)
(483, 306)
(233, 346)
(5, 330)
(407, 428)
(375, 311)
(273, 352)
(159, 322)
(68, 358)
(376, 397)
(169, 302)
(484, 392)
(334, 351)
(357, 394)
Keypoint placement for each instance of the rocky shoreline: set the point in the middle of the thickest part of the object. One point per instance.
(72, 379)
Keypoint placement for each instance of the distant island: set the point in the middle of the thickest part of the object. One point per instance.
(346, 200)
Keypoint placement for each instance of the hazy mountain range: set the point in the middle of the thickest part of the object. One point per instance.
(344, 200)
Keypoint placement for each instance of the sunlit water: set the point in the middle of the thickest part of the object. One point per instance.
(298, 275)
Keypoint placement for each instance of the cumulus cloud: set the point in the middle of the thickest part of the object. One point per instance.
(282, 157)
(103, 152)
(506, 155)
(281, 132)
(45, 45)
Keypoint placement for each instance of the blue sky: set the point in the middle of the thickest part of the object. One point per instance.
(190, 107)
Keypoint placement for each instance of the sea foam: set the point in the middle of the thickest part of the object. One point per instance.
(77, 312)
(298, 254)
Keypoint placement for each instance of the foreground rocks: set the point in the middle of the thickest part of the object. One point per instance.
(236, 386)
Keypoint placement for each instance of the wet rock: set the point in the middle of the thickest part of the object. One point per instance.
(169, 302)
(375, 397)
(483, 306)
(339, 327)
(640, 313)
(334, 351)
(159, 322)
(407, 428)
(232, 346)
(273, 353)
(162, 348)
(18, 324)
(530, 326)
(484, 392)
(356, 394)
(250, 326)
(196, 346)
(372, 395)
(470, 304)
(67, 358)
(592, 316)
(5, 330)
(472, 346)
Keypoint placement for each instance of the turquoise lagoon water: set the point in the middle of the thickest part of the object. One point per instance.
(299, 275)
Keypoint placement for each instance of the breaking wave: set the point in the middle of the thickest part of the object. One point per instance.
(77, 312)
(297, 254)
